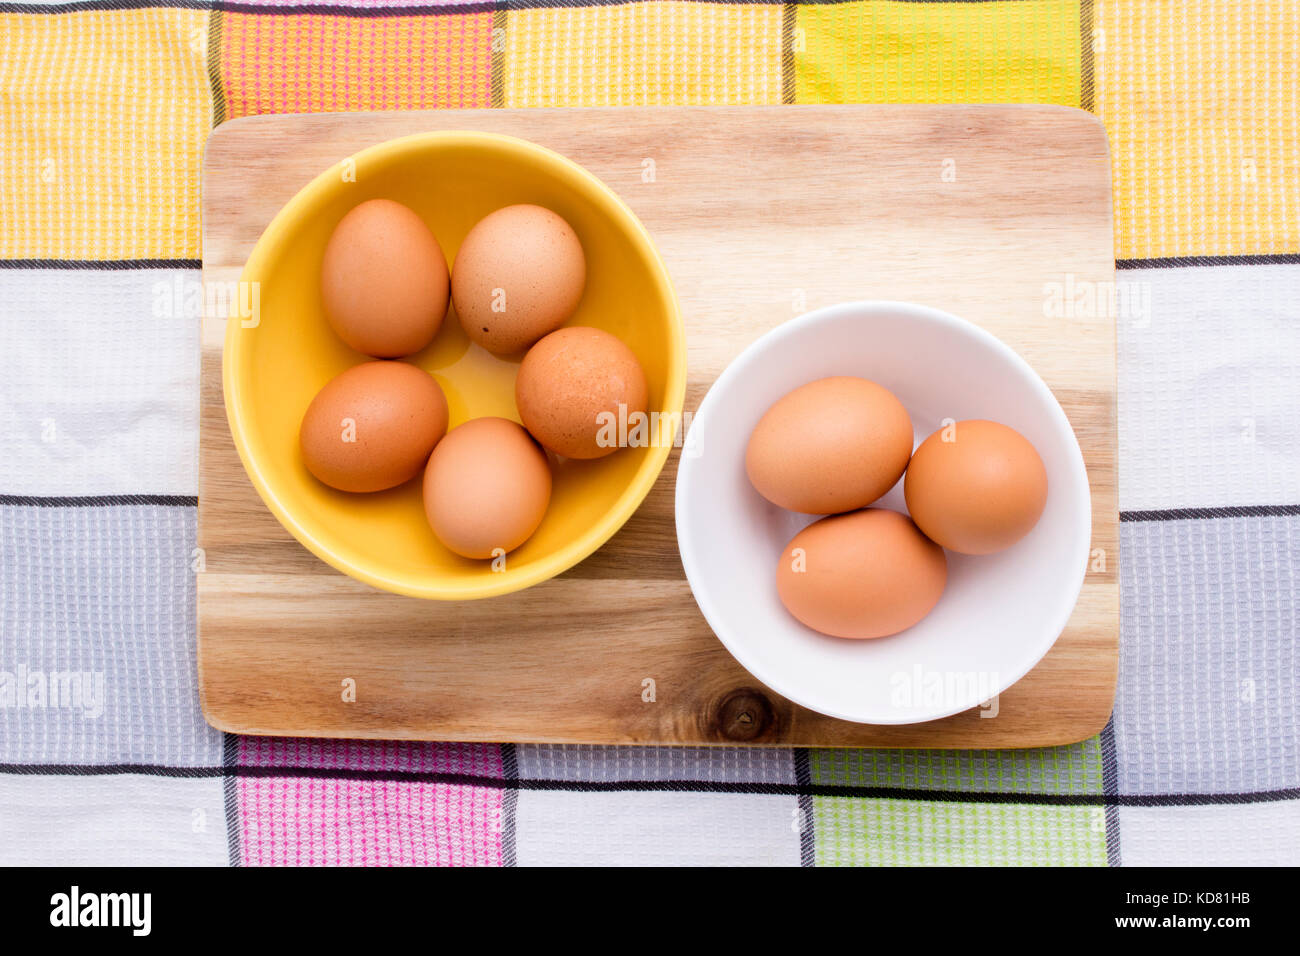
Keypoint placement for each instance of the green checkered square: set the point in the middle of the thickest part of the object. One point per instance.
(856, 831)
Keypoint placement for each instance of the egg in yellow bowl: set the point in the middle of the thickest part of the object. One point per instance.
(275, 363)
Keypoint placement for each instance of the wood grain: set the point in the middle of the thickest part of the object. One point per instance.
(761, 213)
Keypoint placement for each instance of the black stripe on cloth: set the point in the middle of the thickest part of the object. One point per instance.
(509, 805)
(1110, 788)
(1235, 511)
(190, 501)
(1189, 262)
(670, 786)
(789, 19)
(107, 265)
(405, 10)
(831, 3)
(99, 501)
(1086, 70)
(807, 835)
(110, 770)
(499, 42)
(214, 69)
(229, 787)
(1186, 262)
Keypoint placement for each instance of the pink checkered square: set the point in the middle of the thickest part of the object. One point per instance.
(309, 821)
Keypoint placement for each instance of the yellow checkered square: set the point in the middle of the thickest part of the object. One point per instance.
(102, 124)
(885, 51)
(1203, 111)
(643, 54)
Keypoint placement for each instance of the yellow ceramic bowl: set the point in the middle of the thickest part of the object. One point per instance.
(275, 363)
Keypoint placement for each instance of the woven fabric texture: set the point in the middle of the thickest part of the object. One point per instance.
(103, 118)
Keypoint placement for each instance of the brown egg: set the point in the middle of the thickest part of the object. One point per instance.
(830, 446)
(576, 388)
(384, 280)
(865, 574)
(373, 426)
(976, 487)
(518, 275)
(486, 488)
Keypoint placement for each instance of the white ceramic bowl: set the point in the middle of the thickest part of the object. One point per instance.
(999, 614)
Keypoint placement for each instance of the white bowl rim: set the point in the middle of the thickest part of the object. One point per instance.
(796, 326)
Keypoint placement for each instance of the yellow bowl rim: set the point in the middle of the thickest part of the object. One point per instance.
(674, 390)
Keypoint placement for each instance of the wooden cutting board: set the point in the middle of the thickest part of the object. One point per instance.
(761, 213)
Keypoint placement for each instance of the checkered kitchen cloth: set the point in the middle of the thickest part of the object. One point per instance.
(104, 108)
